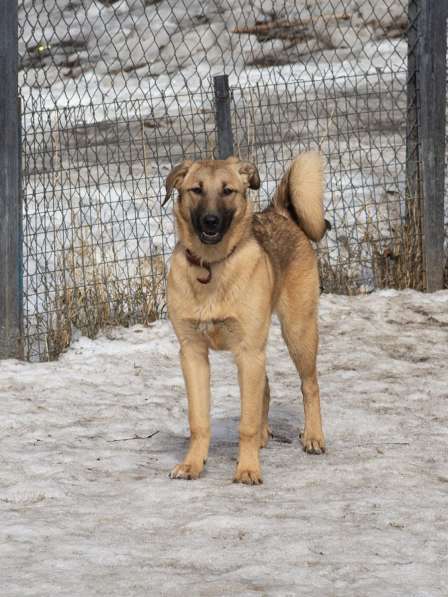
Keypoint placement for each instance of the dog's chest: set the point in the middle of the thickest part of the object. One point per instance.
(221, 334)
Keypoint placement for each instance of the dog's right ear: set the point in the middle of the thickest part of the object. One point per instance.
(175, 178)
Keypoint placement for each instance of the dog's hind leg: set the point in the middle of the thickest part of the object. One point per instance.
(297, 311)
(196, 370)
(266, 432)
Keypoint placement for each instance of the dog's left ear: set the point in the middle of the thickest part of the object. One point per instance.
(250, 171)
(175, 178)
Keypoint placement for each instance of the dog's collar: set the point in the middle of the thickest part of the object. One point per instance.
(197, 261)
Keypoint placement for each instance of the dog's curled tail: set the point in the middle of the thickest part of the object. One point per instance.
(300, 194)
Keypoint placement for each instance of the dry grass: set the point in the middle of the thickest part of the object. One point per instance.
(394, 261)
(400, 264)
(95, 296)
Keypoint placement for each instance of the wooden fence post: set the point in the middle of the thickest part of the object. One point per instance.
(11, 274)
(426, 169)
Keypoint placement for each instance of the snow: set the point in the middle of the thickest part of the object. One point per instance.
(168, 95)
(87, 507)
(140, 50)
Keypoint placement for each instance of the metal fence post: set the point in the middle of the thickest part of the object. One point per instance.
(428, 62)
(11, 310)
(223, 116)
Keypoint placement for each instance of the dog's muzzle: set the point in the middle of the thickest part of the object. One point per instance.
(210, 226)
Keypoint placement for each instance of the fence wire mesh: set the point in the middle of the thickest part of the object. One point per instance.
(115, 92)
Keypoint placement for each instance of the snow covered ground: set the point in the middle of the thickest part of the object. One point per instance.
(86, 506)
(90, 51)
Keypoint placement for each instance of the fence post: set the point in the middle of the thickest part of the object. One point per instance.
(11, 310)
(426, 169)
(413, 191)
(223, 116)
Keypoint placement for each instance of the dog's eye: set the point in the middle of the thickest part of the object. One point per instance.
(227, 191)
(196, 190)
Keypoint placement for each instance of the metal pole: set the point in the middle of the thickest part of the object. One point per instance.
(11, 309)
(223, 116)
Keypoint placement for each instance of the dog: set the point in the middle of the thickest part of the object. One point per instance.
(230, 270)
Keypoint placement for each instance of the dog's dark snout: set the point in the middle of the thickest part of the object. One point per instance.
(210, 222)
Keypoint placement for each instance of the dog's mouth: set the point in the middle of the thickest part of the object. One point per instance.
(211, 226)
(210, 238)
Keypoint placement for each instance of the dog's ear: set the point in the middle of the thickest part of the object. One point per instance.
(175, 178)
(249, 171)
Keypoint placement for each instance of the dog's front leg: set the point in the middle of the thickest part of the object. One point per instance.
(196, 370)
(252, 377)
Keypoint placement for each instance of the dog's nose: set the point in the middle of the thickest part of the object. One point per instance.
(210, 222)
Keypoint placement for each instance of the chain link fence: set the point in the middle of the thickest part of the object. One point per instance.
(115, 92)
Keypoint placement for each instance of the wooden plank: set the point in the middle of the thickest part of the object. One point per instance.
(431, 73)
(412, 228)
(11, 310)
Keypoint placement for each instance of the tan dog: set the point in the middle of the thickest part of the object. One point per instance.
(230, 270)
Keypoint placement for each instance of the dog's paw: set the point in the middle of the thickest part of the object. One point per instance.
(313, 443)
(185, 471)
(248, 476)
(266, 434)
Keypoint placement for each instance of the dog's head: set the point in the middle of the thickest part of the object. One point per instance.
(212, 209)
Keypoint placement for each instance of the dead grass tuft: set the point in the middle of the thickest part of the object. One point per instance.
(97, 296)
(400, 264)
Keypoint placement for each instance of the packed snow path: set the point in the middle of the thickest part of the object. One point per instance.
(86, 506)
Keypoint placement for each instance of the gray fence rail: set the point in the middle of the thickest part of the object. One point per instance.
(113, 94)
